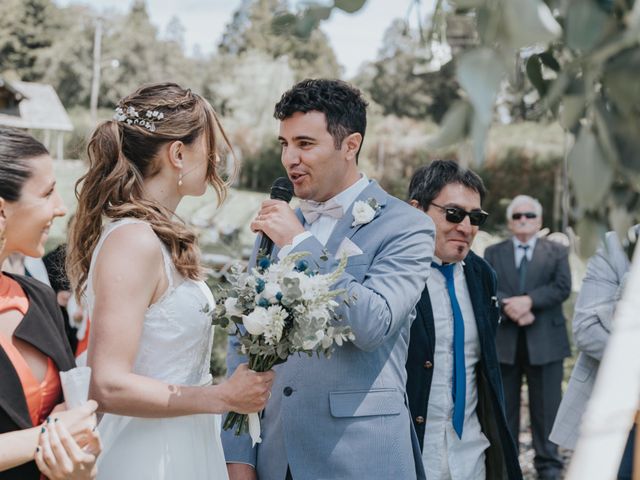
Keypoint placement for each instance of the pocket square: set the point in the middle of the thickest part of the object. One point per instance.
(348, 248)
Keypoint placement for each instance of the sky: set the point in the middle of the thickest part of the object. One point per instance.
(355, 38)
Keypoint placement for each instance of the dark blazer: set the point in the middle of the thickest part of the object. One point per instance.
(501, 456)
(548, 283)
(42, 327)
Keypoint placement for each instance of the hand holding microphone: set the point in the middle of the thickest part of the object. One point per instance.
(276, 220)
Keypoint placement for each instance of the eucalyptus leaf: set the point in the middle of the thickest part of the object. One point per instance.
(480, 72)
(571, 111)
(534, 73)
(529, 22)
(590, 173)
(591, 232)
(548, 60)
(479, 131)
(350, 6)
(455, 125)
(465, 4)
(603, 124)
(585, 25)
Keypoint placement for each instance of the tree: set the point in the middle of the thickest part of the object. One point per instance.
(408, 78)
(27, 29)
(252, 28)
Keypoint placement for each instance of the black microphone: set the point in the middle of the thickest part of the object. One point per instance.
(281, 189)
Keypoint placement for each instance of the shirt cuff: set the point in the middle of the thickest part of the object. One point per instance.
(297, 240)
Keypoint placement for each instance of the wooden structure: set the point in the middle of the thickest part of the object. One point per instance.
(35, 106)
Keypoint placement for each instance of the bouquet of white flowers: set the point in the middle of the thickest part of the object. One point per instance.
(284, 308)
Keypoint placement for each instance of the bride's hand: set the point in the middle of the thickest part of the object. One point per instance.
(247, 391)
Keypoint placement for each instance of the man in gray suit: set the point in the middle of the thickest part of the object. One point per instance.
(601, 289)
(533, 281)
(345, 417)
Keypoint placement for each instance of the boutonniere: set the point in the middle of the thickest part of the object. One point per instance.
(364, 212)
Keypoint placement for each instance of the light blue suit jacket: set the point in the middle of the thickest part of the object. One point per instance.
(347, 417)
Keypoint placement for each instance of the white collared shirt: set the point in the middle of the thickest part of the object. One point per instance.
(519, 252)
(324, 225)
(445, 456)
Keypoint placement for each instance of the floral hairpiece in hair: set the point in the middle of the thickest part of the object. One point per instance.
(131, 117)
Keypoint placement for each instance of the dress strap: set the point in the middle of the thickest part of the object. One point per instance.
(109, 228)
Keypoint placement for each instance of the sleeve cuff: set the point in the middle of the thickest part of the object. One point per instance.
(297, 240)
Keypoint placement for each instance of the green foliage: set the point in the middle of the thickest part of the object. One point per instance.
(268, 26)
(27, 30)
(260, 168)
(518, 172)
(402, 81)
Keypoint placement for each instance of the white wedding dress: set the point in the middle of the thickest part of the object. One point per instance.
(175, 347)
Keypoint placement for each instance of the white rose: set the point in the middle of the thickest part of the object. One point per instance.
(270, 291)
(231, 307)
(362, 213)
(256, 322)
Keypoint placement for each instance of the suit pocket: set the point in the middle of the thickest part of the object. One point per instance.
(363, 403)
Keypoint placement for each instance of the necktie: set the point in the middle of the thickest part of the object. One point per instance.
(522, 268)
(459, 371)
(313, 210)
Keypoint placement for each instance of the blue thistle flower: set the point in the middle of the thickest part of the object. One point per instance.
(263, 302)
(264, 263)
(279, 296)
(259, 285)
(302, 265)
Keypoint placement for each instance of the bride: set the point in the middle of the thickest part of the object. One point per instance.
(138, 268)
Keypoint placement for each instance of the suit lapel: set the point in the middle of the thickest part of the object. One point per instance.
(39, 330)
(508, 257)
(344, 228)
(12, 399)
(476, 294)
(537, 261)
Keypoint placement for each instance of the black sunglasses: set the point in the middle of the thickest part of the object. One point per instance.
(518, 216)
(456, 215)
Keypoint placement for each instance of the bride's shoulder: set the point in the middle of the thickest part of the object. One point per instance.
(132, 241)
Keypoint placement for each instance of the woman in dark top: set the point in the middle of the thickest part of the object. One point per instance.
(37, 438)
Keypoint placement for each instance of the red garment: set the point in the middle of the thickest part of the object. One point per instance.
(42, 396)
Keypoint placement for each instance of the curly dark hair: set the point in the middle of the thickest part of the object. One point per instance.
(342, 104)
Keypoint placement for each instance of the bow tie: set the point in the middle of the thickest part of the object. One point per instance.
(313, 210)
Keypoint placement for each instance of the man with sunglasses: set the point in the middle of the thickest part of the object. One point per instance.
(453, 382)
(533, 281)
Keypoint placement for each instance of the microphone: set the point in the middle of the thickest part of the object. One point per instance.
(281, 189)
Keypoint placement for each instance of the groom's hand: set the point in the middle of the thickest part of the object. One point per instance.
(241, 471)
(277, 220)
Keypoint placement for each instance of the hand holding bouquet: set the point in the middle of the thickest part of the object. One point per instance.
(277, 310)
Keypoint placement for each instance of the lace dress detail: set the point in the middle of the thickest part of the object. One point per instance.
(175, 347)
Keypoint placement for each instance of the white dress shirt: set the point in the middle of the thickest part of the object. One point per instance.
(519, 252)
(445, 456)
(324, 225)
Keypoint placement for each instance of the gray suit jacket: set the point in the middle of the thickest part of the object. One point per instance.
(347, 417)
(548, 283)
(595, 306)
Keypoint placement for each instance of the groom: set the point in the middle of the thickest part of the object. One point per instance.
(344, 417)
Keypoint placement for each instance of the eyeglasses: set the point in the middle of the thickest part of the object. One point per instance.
(456, 215)
(518, 216)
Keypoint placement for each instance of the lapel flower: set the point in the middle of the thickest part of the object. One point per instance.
(364, 212)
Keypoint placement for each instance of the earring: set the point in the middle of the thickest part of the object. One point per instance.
(180, 179)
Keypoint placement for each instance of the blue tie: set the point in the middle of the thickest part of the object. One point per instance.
(459, 374)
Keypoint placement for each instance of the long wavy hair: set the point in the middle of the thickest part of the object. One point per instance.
(122, 155)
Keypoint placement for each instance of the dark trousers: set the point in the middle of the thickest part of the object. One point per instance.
(545, 393)
(626, 465)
